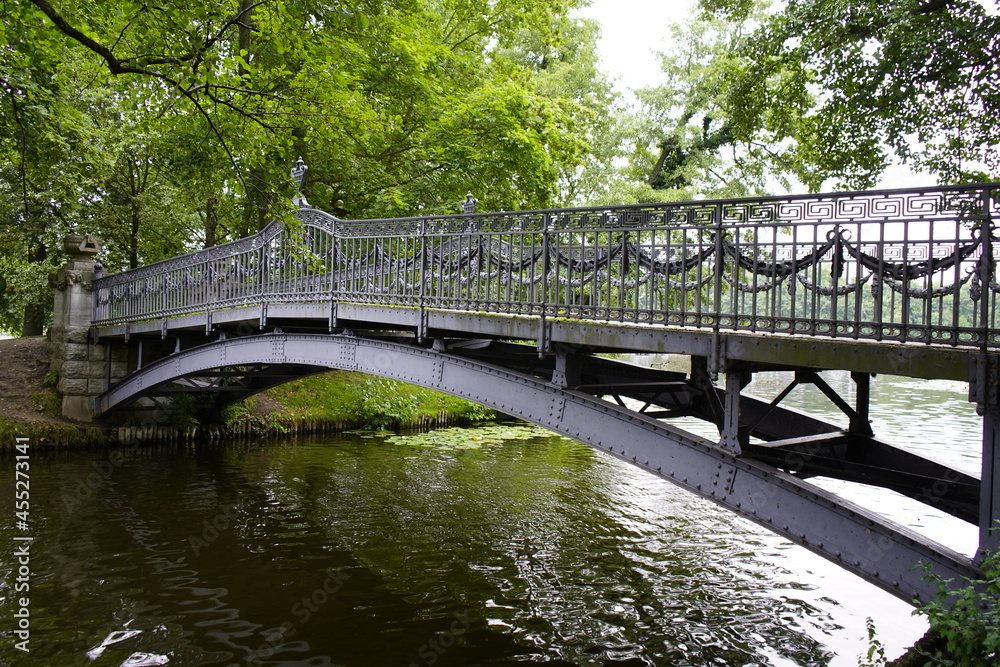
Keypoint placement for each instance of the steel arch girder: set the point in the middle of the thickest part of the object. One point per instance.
(863, 542)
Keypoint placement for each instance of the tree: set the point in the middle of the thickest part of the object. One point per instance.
(566, 71)
(170, 126)
(688, 143)
(45, 146)
(449, 107)
(850, 84)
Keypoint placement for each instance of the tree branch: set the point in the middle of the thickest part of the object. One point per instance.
(120, 66)
(930, 6)
(114, 64)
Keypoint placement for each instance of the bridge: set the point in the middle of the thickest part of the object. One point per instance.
(527, 312)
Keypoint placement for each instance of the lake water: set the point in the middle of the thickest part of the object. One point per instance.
(495, 546)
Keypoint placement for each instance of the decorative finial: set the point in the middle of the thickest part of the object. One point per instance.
(469, 205)
(299, 172)
(299, 175)
(82, 246)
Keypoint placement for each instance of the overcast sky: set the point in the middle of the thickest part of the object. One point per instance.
(631, 32)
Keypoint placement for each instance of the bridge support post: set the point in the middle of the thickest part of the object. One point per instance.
(984, 390)
(733, 435)
(81, 366)
(989, 499)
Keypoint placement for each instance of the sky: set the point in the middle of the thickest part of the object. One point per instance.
(632, 31)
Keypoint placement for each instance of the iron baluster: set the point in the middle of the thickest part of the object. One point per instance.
(986, 268)
(425, 275)
(546, 264)
(640, 263)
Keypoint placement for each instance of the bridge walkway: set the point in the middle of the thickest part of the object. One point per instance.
(525, 311)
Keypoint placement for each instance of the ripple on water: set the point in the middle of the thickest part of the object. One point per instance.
(351, 553)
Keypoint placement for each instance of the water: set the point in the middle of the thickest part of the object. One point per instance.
(478, 547)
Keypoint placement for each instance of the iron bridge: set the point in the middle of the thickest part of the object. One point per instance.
(517, 311)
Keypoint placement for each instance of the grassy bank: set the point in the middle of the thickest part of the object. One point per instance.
(342, 401)
(325, 403)
(29, 403)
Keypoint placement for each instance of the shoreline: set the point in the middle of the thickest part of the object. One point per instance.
(323, 404)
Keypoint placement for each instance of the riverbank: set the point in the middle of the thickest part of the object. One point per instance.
(320, 404)
(326, 403)
(29, 403)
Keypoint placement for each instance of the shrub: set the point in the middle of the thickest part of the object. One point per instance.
(967, 619)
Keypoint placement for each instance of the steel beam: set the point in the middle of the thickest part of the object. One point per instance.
(854, 537)
(750, 352)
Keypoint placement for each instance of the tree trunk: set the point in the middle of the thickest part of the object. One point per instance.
(133, 240)
(211, 221)
(33, 323)
(258, 207)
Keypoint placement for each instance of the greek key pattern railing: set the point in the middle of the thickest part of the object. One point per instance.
(897, 265)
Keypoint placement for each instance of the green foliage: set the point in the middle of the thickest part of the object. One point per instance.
(384, 406)
(967, 617)
(240, 413)
(48, 402)
(875, 657)
(355, 400)
(183, 411)
(452, 439)
(841, 85)
(687, 144)
(51, 433)
(164, 128)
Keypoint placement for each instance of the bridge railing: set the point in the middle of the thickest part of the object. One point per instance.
(897, 265)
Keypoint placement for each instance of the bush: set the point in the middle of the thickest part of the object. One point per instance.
(358, 401)
(967, 619)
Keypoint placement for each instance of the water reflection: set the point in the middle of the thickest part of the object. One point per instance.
(368, 551)
(932, 418)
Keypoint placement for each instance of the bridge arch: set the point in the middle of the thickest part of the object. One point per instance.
(878, 550)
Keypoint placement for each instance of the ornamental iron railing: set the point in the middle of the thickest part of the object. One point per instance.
(898, 265)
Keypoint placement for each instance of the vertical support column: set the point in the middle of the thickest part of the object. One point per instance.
(424, 277)
(703, 380)
(81, 367)
(567, 368)
(989, 493)
(984, 391)
(547, 261)
(733, 437)
(715, 361)
(543, 327)
(860, 420)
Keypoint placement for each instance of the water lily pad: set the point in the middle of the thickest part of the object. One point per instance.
(457, 438)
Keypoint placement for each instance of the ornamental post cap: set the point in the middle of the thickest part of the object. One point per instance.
(299, 172)
(299, 175)
(82, 246)
(469, 205)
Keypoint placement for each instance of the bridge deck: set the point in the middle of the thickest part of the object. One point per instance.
(736, 350)
(896, 282)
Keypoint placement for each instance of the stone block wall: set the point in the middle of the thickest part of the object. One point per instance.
(81, 366)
